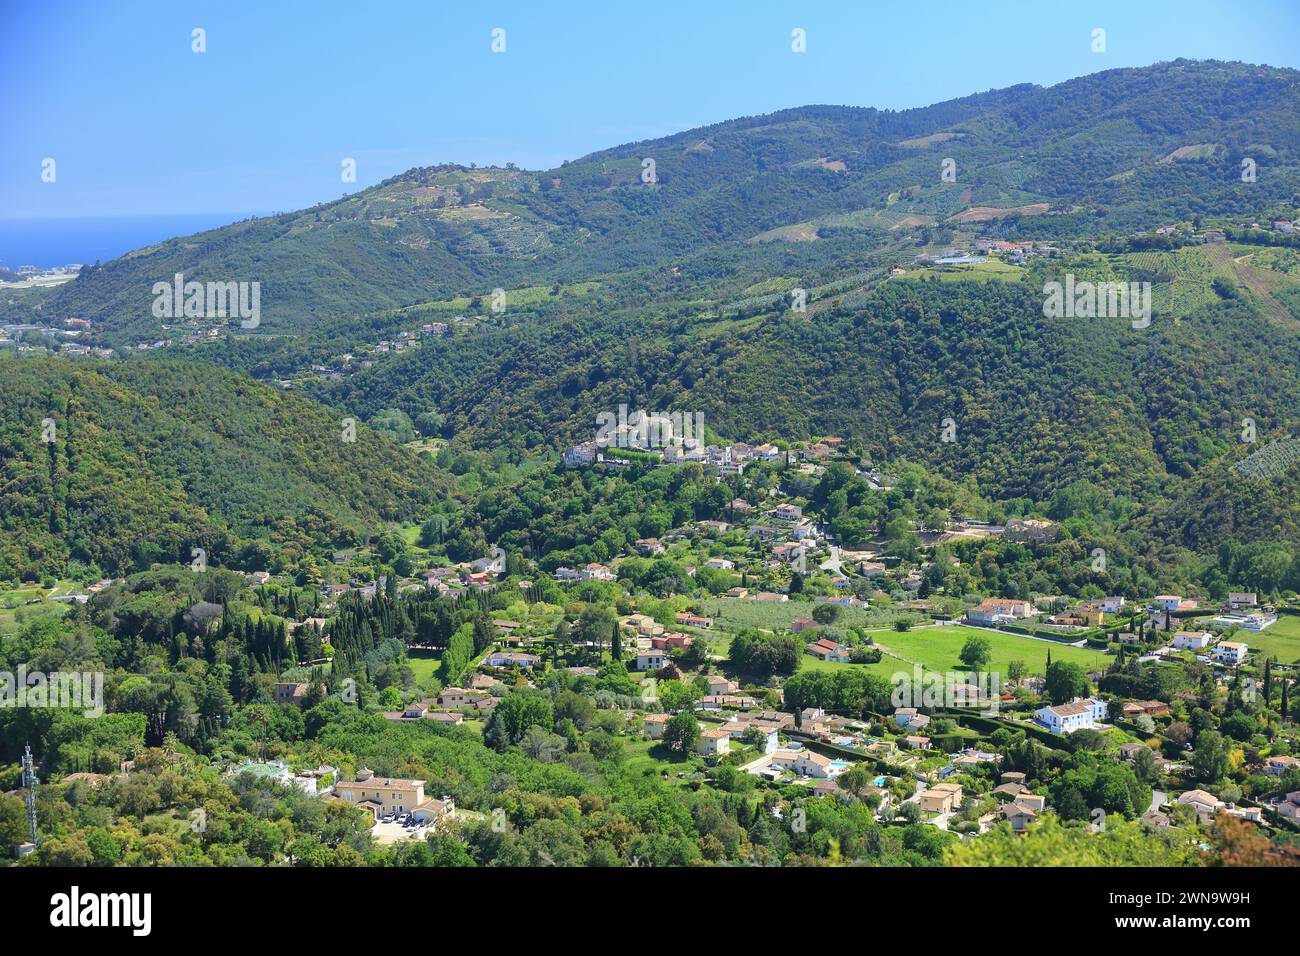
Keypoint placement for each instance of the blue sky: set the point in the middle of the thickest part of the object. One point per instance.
(137, 123)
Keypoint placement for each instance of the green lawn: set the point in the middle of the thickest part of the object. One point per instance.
(937, 649)
(640, 757)
(1282, 640)
(424, 664)
(17, 597)
(734, 614)
(14, 604)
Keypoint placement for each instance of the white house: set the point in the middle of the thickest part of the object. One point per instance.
(828, 651)
(713, 742)
(1281, 765)
(1191, 640)
(787, 512)
(1256, 622)
(1230, 652)
(904, 715)
(1112, 604)
(805, 763)
(584, 454)
(1082, 713)
(1167, 602)
(770, 739)
(492, 565)
(597, 572)
(1205, 804)
(719, 684)
(652, 659)
(999, 611)
(510, 659)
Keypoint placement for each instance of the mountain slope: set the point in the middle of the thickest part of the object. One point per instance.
(152, 459)
(1037, 403)
(1088, 153)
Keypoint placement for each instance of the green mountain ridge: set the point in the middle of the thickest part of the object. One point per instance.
(1089, 148)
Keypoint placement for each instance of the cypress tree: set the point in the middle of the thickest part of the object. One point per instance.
(483, 634)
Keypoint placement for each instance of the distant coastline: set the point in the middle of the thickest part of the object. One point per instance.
(46, 243)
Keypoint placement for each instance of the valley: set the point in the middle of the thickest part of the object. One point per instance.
(587, 517)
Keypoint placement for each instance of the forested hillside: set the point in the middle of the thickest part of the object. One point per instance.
(1116, 150)
(149, 460)
(1037, 403)
(656, 294)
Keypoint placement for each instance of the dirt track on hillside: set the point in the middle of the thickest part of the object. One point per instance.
(1221, 255)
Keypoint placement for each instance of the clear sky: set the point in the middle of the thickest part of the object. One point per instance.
(138, 123)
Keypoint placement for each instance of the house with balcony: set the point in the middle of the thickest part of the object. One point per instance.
(1082, 713)
(1231, 653)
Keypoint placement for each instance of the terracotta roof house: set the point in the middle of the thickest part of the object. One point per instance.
(828, 651)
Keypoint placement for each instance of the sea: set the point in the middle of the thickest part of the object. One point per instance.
(46, 243)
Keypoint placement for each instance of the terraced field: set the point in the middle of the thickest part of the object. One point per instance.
(1259, 282)
(1181, 278)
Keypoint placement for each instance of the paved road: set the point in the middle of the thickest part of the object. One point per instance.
(1158, 798)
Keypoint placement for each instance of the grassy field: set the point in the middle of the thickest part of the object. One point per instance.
(30, 602)
(988, 269)
(1282, 640)
(424, 664)
(937, 649)
(645, 755)
(731, 613)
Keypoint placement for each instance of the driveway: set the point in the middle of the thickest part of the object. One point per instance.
(396, 833)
